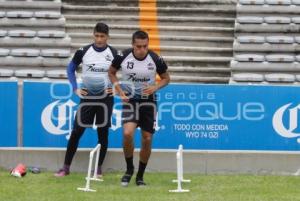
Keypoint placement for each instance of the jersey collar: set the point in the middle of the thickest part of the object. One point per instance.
(99, 49)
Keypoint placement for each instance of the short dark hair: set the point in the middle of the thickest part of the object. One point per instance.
(139, 35)
(101, 28)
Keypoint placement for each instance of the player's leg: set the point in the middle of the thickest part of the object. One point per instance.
(147, 116)
(103, 140)
(84, 118)
(144, 156)
(128, 149)
(71, 150)
(103, 116)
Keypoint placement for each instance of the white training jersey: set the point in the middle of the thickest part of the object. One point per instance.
(95, 64)
(138, 73)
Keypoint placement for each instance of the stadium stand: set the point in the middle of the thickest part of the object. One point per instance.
(33, 40)
(195, 35)
(266, 44)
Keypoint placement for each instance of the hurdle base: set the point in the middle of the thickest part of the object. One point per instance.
(86, 189)
(179, 191)
(94, 179)
(183, 180)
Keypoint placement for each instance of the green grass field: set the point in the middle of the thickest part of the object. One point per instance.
(44, 186)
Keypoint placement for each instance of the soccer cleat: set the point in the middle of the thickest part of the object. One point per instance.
(62, 172)
(126, 179)
(140, 182)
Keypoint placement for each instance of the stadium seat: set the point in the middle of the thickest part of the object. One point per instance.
(278, 2)
(55, 53)
(19, 14)
(265, 66)
(22, 33)
(30, 73)
(3, 33)
(6, 73)
(249, 57)
(298, 78)
(250, 20)
(297, 39)
(251, 39)
(297, 58)
(56, 74)
(296, 20)
(277, 20)
(2, 14)
(4, 52)
(25, 52)
(280, 58)
(47, 14)
(280, 77)
(296, 2)
(248, 77)
(280, 39)
(51, 34)
(252, 2)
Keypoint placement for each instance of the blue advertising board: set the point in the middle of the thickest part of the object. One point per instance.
(200, 117)
(8, 113)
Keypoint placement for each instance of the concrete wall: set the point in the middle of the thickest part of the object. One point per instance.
(203, 162)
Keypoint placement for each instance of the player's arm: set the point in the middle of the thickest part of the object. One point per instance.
(161, 70)
(71, 69)
(164, 80)
(112, 74)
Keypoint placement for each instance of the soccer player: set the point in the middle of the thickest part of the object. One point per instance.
(139, 66)
(96, 100)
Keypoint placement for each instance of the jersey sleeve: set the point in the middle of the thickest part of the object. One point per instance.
(77, 58)
(113, 51)
(161, 66)
(116, 63)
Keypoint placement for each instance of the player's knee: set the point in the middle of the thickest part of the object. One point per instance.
(128, 135)
(147, 139)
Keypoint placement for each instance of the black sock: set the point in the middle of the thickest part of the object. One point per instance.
(130, 167)
(142, 167)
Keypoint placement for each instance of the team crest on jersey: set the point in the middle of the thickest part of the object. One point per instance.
(150, 66)
(108, 58)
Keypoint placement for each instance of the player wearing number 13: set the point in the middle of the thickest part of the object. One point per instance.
(139, 67)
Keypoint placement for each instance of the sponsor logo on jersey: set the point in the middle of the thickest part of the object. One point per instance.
(93, 68)
(132, 77)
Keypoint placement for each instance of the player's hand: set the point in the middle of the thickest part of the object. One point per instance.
(81, 92)
(124, 97)
(109, 91)
(149, 90)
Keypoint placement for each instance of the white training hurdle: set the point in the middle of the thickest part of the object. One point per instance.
(94, 178)
(180, 179)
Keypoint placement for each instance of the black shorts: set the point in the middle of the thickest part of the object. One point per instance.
(89, 108)
(141, 112)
